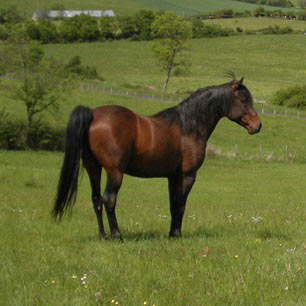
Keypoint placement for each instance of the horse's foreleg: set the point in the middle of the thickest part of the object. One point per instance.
(114, 180)
(179, 188)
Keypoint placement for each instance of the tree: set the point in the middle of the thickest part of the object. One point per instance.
(82, 27)
(10, 15)
(127, 26)
(302, 4)
(172, 33)
(108, 27)
(143, 21)
(38, 78)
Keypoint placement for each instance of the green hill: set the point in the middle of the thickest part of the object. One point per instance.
(124, 7)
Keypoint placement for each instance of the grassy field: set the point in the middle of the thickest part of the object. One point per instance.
(244, 229)
(124, 7)
(253, 24)
(243, 239)
(268, 63)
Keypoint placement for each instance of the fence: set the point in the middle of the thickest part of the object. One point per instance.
(177, 100)
(116, 92)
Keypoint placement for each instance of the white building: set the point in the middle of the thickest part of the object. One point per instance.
(68, 14)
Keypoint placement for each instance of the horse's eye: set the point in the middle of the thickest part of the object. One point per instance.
(243, 99)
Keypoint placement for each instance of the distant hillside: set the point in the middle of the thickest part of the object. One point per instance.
(197, 6)
(126, 7)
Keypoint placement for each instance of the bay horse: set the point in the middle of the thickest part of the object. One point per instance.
(169, 144)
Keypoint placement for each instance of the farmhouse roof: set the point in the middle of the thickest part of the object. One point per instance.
(69, 14)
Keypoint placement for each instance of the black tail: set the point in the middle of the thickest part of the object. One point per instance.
(76, 142)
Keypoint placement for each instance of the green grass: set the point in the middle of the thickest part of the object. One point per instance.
(243, 233)
(243, 239)
(124, 7)
(268, 63)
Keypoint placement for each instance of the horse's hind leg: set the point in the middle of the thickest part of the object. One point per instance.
(94, 170)
(114, 180)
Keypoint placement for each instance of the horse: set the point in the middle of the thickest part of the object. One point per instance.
(169, 144)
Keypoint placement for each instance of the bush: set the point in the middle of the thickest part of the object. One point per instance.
(294, 97)
(277, 30)
(32, 31)
(79, 28)
(74, 67)
(200, 30)
(143, 21)
(127, 27)
(15, 135)
(197, 28)
(4, 33)
(108, 27)
(43, 137)
(47, 31)
(214, 30)
(10, 15)
(89, 30)
(12, 134)
(69, 30)
(301, 15)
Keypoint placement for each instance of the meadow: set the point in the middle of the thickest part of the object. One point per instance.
(244, 229)
(268, 63)
(126, 7)
(243, 232)
(243, 238)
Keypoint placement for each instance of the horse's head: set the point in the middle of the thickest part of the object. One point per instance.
(241, 110)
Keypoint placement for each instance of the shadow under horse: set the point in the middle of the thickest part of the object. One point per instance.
(169, 144)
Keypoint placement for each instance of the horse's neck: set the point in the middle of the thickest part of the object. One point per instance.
(213, 115)
(208, 127)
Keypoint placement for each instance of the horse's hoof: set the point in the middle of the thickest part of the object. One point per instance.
(175, 234)
(102, 236)
(117, 236)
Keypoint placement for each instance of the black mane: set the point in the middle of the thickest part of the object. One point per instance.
(201, 107)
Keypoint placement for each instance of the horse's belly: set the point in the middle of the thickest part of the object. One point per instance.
(146, 165)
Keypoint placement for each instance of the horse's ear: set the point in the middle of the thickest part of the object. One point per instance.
(236, 84)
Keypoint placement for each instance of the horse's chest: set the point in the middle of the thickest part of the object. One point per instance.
(193, 154)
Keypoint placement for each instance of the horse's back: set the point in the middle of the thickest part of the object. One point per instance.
(135, 144)
(112, 135)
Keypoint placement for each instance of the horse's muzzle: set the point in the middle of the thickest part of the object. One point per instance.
(254, 130)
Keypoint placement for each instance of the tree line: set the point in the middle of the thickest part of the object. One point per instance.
(137, 27)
